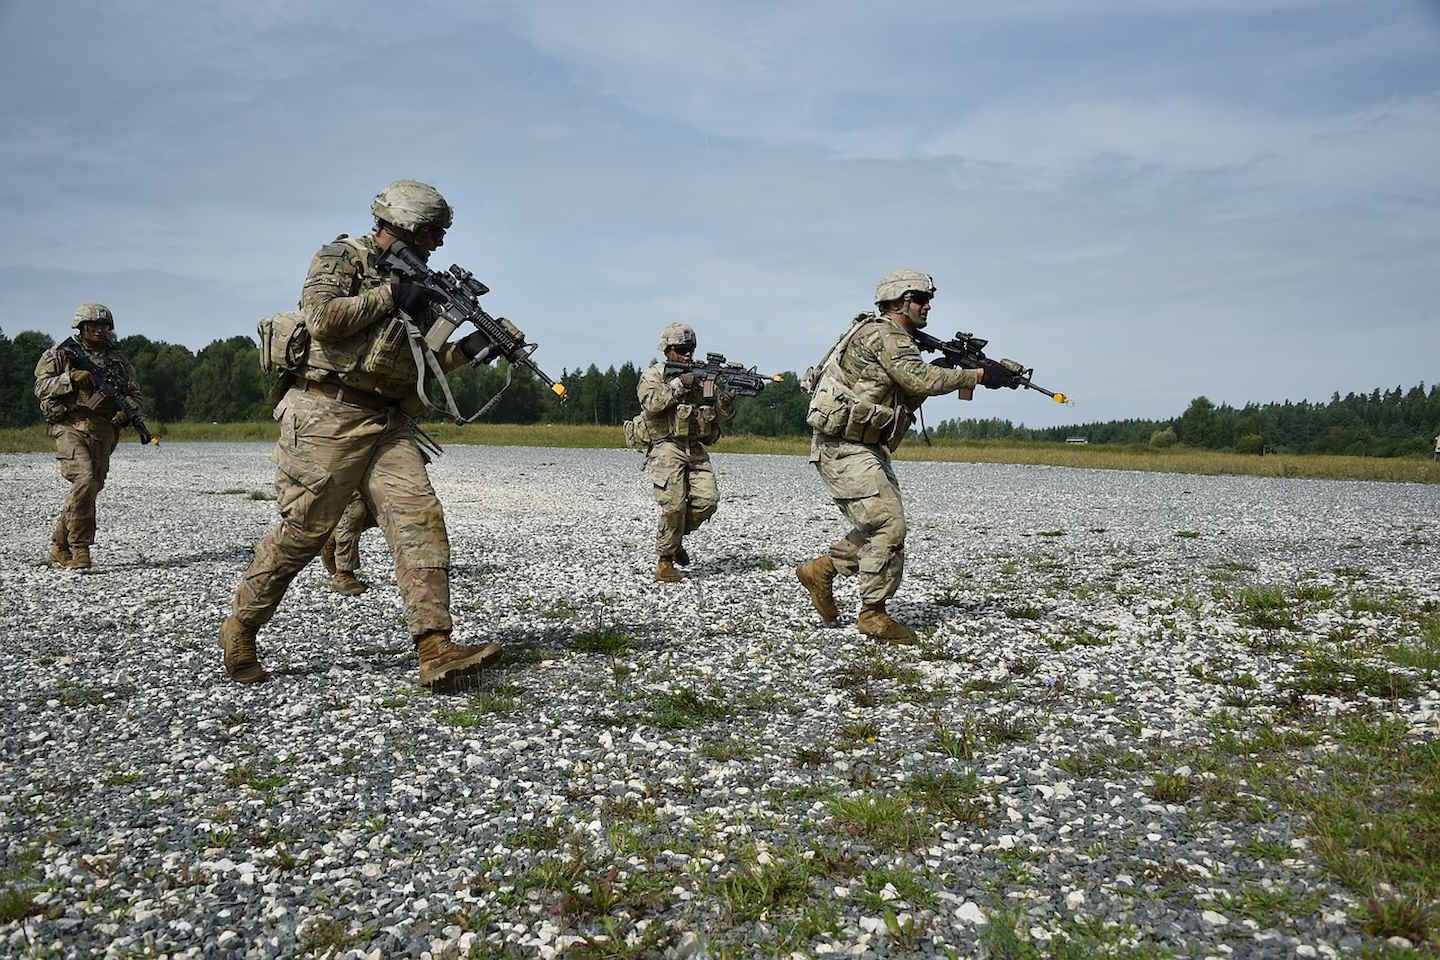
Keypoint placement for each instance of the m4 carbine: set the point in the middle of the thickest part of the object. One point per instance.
(71, 350)
(967, 352)
(457, 295)
(732, 377)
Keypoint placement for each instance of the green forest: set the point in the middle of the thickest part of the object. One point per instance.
(223, 383)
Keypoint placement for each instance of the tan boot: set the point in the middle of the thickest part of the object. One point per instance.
(665, 571)
(60, 553)
(875, 622)
(241, 662)
(682, 559)
(817, 576)
(327, 555)
(347, 583)
(79, 558)
(441, 657)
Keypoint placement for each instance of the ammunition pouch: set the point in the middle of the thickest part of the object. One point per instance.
(284, 342)
(835, 411)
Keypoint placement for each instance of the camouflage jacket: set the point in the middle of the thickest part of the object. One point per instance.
(61, 400)
(669, 411)
(357, 335)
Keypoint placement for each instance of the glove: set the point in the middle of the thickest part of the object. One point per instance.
(477, 347)
(688, 380)
(82, 379)
(413, 298)
(120, 419)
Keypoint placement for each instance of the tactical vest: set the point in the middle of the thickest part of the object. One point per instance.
(856, 402)
(682, 422)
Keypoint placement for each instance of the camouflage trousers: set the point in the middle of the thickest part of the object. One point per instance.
(327, 451)
(356, 519)
(863, 485)
(685, 488)
(82, 449)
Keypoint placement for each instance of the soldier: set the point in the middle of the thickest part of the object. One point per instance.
(341, 553)
(85, 425)
(678, 417)
(345, 425)
(864, 396)
(1437, 448)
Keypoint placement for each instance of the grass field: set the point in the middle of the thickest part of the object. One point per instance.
(1096, 457)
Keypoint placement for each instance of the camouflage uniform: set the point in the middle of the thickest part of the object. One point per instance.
(678, 423)
(83, 428)
(864, 400)
(356, 519)
(884, 366)
(345, 426)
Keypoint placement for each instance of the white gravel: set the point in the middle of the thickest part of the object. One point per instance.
(148, 806)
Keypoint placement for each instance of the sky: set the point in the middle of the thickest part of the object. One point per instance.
(1146, 201)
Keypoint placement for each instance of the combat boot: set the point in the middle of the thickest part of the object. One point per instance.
(327, 555)
(682, 559)
(241, 662)
(817, 576)
(60, 553)
(79, 558)
(665, 571)
(347, 583)
(441, 657)
(875, 622)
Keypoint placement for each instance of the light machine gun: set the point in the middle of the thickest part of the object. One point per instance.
(967, 352)
(715, 371)
(457, 295)
(72, 351)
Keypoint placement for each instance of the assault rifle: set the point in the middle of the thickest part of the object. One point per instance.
(732, 377)
(967, 352)
(71, 350)
(457, 295)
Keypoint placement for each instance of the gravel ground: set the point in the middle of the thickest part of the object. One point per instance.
(688, 770)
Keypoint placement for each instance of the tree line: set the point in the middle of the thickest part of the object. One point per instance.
(223, 382)
(1390, 423)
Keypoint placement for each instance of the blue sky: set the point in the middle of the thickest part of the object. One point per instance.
(1146, 200)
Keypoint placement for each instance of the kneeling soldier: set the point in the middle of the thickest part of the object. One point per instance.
(678, 417)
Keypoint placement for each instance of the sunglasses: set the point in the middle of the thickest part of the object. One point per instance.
(916, 297)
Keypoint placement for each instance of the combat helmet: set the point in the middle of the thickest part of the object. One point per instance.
(677, 335)
(93, 313)
(897, 283)
(411, 205)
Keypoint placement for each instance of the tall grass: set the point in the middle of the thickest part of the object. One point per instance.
(1090, 457)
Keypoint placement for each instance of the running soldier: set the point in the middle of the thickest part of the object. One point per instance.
(85, 425)
(678, 417)
(345, 425)
(864, 396)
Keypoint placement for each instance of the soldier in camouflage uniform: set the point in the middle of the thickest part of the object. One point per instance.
(341, 553)
(678, 418)
(85, 425)
(345, 426)
(863, 401)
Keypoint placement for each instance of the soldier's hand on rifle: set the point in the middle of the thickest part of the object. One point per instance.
(477, 347)
(120, 419)
(685, 381)
(81, 379)
(412, 298)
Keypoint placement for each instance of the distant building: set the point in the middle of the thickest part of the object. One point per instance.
(1077, 439)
